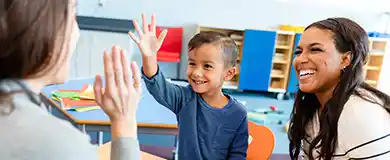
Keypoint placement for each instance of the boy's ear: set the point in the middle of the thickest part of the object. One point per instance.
(230, 73)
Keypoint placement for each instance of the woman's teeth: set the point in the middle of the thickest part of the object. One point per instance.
(306, 72)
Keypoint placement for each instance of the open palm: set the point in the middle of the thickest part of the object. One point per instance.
(147, 42)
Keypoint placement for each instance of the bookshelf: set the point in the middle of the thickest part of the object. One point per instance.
(238, 37)
(281, 61)
(373, 67)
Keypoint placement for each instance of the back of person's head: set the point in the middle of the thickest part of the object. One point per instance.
(348, 38)
(227, 45)
(36, 39)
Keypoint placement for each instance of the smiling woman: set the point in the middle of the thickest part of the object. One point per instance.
(333, 102)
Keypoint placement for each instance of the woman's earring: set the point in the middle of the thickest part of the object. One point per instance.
(344, 69)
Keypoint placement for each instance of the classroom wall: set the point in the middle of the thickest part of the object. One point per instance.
(87, 60)
(238, 14)
(251, 14)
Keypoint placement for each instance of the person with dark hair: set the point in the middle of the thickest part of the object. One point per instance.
(37, 38)
(212, 124)
(337, 115)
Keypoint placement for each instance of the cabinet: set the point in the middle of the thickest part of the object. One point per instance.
(257, 60)
(266, 60)
(293, 79)
(373, 67)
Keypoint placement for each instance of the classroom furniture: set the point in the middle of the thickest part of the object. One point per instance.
(152, 117)
(293, 79)
(261, 143)
(264, 58)
(105, 151)
(372, 69)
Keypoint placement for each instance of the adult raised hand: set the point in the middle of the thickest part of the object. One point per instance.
(122, 92)
(147, 42)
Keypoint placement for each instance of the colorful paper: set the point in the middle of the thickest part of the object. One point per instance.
(78, 100)
(84, 109)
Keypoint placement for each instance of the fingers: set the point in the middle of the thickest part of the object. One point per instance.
(144, 24)
(162, 35)
(118, 69)
(137, 28)
(126, 70)
(153, 25)
(109, 74)
(98, 90)
(136, 77)
(133, 37)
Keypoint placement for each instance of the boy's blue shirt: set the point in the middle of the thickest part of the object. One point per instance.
(204, 132)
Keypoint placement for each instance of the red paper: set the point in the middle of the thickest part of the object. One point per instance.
(171, 48)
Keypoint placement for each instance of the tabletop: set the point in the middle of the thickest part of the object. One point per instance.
(149, 110)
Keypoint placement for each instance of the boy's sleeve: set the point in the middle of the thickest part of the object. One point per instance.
(239, 145)
(167, 94)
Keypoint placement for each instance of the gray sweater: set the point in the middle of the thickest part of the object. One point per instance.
(29, 132)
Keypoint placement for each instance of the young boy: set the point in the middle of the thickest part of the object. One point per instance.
(212, 124)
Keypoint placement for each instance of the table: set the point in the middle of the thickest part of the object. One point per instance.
(105, 150)
(152, 117)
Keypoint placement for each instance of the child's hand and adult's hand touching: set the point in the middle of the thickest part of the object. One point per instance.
(122, 93)
(149, 44)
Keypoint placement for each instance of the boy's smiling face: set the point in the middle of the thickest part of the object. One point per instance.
(206, 69)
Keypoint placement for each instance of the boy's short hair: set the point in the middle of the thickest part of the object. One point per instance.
(228, 46)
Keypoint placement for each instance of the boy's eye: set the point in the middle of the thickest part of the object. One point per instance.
(191, 64)
(208, 66)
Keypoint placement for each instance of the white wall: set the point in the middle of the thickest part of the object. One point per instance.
(251, 14)
(87, 60)
(259, 14)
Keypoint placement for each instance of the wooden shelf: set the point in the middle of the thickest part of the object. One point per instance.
(372, 69)
(371, 82)
(282, 47)
(276, 90)
(375, 68)
(277, 76)
(281, 62)
(278, 61)
(376, 53)
(230, 85)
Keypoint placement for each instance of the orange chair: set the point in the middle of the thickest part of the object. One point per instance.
(262, 142)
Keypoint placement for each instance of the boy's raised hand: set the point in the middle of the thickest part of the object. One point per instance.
(147, 42)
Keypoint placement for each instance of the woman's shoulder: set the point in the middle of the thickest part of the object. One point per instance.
(364, 107)
(364, 127)
(42, 136)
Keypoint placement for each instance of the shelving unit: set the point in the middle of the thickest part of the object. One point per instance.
(281, 62)
(238, 37)
(373, 67)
